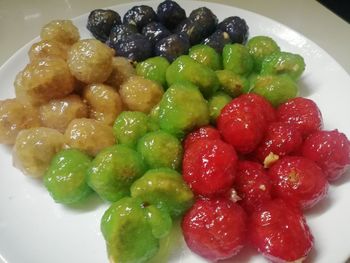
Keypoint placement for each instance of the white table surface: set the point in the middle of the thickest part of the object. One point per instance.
(21, 20)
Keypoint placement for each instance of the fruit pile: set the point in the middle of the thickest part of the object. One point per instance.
(213, 135)
(167, 32)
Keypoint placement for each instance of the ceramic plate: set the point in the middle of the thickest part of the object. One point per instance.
(34, 229)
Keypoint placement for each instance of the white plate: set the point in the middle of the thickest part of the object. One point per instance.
(34, 229)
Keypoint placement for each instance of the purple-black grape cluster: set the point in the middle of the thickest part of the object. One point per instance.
(167, 32)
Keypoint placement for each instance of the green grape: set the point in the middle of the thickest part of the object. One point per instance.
(160, 149)
(113, 170)
(236, 58)
(154, 69)
(65, 179)
(206, 55)
(165, 189)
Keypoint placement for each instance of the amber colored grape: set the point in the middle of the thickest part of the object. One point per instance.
(44, 80)
(57, 114)
(89, 135)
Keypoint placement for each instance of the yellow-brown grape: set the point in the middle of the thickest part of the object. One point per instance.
(89, 135)
(57, 114)
(104, 103)
(140, 94)
(14, 117)
(44, 80)
(90, 61)
(34, 148)
(60, 30)
(122, 70)
(48, 48)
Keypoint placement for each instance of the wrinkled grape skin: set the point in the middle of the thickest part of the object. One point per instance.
(34, 148)
(122, 69)
(44, 80)
(60, 30)
(160, 149)
(104, 103)
(65, 178)
(130, 126)
(140, 94)
(48, 48)
(57, 114)
(113, 171)
(89, 136)
(90, 61)
(14, 117)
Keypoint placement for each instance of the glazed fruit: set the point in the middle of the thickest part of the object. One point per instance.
(203, 133)
(48, 48)
(44, 80)
(14, 117)
(88, 135)
(232, 83)
(62, 31)
(65, 178)
(132, 230)
(34, 148)
(182, 109)
(113, 171)
(165, 189)
(262, 105)
(275, 88)
(191, 29)
(330, 150)
(236, 27)
(236, 57)
(130, 126)
(100, 22)
(283, 63)
(154, 69)
(206, 55)
(122, 70)
(170, 13)
(186, 68)
(280, 232)
(58, 113)
(90, 61)
(216, 103)
(302, 113)
(139, 16)
(207, 20)
(217, 40)
(242, 125)
(135, 47)
(119, 33)
(172, 46)
(280, 139)
(155, 31)
(298, 181)
(252, 185)
(140, 94)
(215, 228)
(104, 103)
(209, 166)
(160, 149)
(260, 47)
